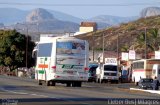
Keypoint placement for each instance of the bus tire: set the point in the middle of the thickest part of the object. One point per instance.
(76, 84)
(39, 82)
(79, 84)
(68, 84)
(97, 80)
(50, 83)
(73, 84)
(53, 83)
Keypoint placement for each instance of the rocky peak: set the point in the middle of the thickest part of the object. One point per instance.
(38, 15)
(150, 11)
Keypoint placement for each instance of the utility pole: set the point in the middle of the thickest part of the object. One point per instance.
(103, 48)
(118, 52)
(145, 43)
(27, 48)
(38, 31)
(118, 47)
(93, 46)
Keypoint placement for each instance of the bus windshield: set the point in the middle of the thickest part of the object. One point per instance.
(45, 50)
(110, 68)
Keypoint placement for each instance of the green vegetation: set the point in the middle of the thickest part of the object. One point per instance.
(13, 49)
(149, 40)
(131, 36)
(124, 48)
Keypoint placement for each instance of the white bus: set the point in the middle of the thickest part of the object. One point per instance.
(62, 60)
(143, 69)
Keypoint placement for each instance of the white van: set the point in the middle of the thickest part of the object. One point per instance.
(108, 71)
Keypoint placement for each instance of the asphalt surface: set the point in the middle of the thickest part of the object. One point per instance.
(24, 91)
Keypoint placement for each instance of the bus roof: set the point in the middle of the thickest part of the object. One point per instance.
(146, 60)
(51, 39)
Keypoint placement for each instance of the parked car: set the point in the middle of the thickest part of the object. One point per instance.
(92, 73)
(146, 83)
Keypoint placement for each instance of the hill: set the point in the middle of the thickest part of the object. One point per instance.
(150, 11)
(112, 20)
(125, 34)
(41, 21)
(10, 16)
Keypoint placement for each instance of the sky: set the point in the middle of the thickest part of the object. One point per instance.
(85, 8)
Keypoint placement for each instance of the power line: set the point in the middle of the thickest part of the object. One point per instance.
(40, 4)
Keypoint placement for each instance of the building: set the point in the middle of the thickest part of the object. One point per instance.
(86, 27)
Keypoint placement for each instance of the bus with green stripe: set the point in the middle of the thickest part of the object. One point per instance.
(62, 60)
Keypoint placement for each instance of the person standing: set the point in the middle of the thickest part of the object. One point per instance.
(155, 84)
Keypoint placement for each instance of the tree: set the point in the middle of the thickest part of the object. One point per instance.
(139, 45)
(151, 42)
(154, 39)
(125, 48)
(13, 49)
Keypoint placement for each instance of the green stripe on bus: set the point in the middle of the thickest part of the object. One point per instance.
(69, 64)
(41, 71)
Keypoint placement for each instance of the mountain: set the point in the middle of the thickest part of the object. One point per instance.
(1, 25)
(65, 17)
(38, 15)
(150, 11)
(13, 15)
(40, 20)
(111, 20)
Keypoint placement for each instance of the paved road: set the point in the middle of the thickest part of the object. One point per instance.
(23, 91)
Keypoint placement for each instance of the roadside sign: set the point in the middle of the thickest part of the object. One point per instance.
(124, 56)
(111, 61)
(132, 54)
(157, 54)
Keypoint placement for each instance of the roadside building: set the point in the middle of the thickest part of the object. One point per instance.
(86, 27)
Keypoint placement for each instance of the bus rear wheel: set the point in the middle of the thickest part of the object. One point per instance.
(76, 84)
(50, 83)
(39, 82)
